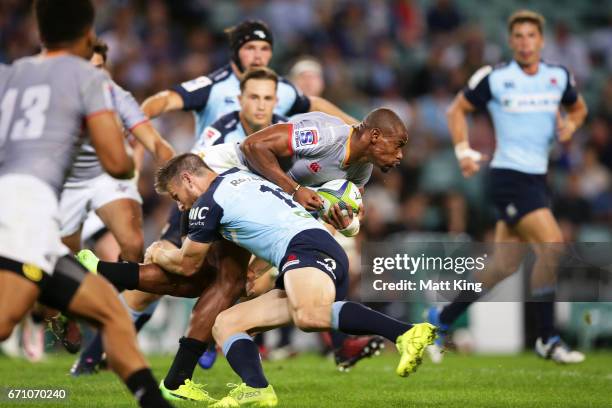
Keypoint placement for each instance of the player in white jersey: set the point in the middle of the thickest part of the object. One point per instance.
(524, 98)
(46, 99)
(91, 192)
(116, 202)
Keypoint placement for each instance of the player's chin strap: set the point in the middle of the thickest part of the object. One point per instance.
(352, 229)
(464, 151)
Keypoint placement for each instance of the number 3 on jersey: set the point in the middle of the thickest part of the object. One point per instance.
(30, 124)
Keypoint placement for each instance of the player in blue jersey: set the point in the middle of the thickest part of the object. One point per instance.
(523, 97)
(254, 213)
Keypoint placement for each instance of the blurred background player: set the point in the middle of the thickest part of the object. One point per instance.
(523, 97)
(42, 118)
(116, 202)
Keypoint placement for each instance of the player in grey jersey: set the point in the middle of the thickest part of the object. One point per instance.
(45, 101)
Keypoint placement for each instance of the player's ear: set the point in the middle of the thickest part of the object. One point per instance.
(375, 135)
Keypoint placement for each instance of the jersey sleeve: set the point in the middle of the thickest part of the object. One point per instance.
(126, 106)
(301, 103)
(478, 89)
(205, 219)
(194, 93)
(308, 137)
(570, 94)
(95, 92)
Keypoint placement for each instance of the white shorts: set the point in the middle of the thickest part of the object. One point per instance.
(78, 199)
(220, 157)
(92, 225)
(29, 222)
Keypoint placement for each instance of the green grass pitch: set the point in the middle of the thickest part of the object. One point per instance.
(311, 381)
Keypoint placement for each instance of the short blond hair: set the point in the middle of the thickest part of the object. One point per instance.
(526, 16)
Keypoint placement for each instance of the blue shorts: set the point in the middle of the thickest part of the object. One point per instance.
(516, 194)
(316, 248)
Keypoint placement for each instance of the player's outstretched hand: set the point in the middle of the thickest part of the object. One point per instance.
(337, 219)
(308, 199)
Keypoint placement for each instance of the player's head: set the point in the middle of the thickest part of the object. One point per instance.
(251, 43)
(184, 178)
(66, 24)
(526, 31)
(100, 53)
(258, 97)
(307, 75)
(386, 134)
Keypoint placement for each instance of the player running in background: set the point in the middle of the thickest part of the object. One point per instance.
(523, 98)
(242, 207)
(116, 202)
(46, 99)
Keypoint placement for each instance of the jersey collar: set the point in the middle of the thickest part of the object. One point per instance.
(347, 153)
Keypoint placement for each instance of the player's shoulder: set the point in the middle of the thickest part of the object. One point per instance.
(227, 123)
(211, 79)
(316, 118)
(554, 67)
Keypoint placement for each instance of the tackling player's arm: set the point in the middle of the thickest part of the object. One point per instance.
(323, 105)
(185, 261)
(262, 151)
(107, 139)
(162, 102)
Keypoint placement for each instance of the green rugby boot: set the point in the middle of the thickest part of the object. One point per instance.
(88, 259)
(411, 346)
(244, 396)
(189, 391)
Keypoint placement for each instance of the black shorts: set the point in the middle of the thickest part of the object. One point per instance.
(516, 194)
(56, 290)
(316, 248)
(176, 227)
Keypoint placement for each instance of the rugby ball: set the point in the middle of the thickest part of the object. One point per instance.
(343, 192)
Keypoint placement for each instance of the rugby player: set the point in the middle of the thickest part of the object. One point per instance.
(46, 99)
(116, 202)
(346, 151)
(523, 97)
(247, 209)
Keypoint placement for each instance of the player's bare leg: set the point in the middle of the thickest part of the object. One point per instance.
(97, 301)
(123, 218)
(225, 288)
(17, 296)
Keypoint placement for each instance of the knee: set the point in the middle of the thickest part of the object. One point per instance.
(225, 324)
(309, 319)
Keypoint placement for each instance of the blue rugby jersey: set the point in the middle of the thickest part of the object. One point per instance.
(523, 108)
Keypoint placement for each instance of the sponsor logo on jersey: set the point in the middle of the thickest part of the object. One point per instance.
(291, 260)
(314, 167)
(198, 213)
(229, 100)
(197, 83)
(534, 102)
(306, 137)
(509, 84)
(210, 136)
